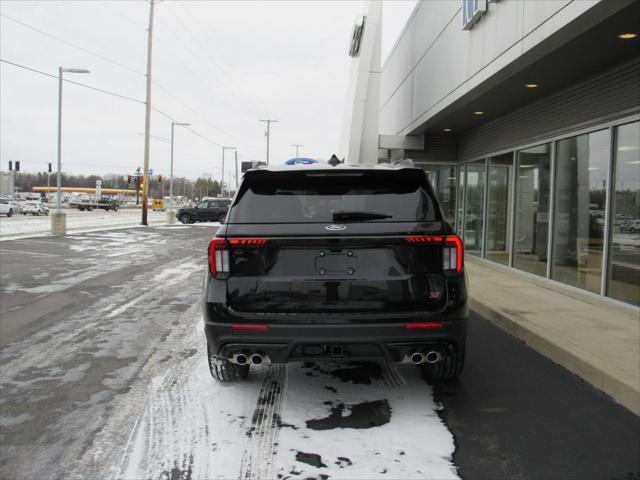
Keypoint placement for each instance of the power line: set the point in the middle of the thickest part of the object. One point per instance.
(114, 62)
(73, 45)
(204, 84)
(124, 97)
(238, 77)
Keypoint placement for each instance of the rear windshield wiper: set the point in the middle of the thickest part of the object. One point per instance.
(341, 216)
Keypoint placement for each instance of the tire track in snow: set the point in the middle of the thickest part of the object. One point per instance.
(257, 461)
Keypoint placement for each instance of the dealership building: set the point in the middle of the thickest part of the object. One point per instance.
(526, 116)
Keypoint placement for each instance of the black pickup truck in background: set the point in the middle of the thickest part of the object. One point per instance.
(205, 211)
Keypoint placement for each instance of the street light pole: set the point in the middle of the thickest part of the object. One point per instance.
(58, 219)
(268, 134)
(297, 146)
(171, 218)
(147, 119)
(222, 181)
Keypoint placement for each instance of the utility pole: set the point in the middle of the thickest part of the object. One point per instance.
(147, 119)
(222, 176)
(297, 147)
(236, 152)
(268, 133)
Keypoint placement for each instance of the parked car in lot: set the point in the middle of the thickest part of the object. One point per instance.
(205, 211)
(631, 226)
(35, 208)
(6, 208)
(339, 263)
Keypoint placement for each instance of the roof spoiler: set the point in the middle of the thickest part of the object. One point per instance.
(406, 162)
(334, 161)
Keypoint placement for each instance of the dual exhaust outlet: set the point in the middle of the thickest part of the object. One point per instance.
(246, 358)
(430, 357)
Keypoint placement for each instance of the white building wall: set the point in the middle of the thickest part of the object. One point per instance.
(435, 62)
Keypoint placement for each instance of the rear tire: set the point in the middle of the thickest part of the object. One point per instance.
(10, 213)
(449, 367)
(185, 218)
(223, 371)
(222, 217)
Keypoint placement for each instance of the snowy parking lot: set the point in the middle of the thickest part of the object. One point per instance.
(104, 375)
(19, 226)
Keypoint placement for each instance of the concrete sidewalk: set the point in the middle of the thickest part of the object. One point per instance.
(593, 338)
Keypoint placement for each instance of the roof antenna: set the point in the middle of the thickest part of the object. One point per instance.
(333, 161)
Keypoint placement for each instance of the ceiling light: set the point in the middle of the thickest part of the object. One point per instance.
(627, 36)
(633, 162)
(446, 129)
(627, 148)
(532, 85)
(593, 168)
(478, 113)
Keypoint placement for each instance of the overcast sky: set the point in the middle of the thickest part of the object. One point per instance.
(218, 65)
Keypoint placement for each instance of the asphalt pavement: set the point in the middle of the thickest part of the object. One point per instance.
(103, 375)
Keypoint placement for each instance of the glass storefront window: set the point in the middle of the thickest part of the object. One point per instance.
(624, 253)
(499, 209)
(474, 207)
(444, 181)
(580, 193)
(460, 216)
(533, 175)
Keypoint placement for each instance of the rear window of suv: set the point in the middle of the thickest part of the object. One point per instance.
(327, 197)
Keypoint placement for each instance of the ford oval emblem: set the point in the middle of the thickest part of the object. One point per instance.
(335, 228)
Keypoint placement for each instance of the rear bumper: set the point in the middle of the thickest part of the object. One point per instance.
(282, 342)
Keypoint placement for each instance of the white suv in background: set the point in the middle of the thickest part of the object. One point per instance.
(35, 208)
(5, 207)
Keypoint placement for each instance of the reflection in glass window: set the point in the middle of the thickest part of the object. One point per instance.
(624, 256)
(474, 207)
(499, 208)
(533, 176)
(460, 217)
(578, 232)
(444, 182)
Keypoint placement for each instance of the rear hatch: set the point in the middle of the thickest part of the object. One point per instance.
(341, 241)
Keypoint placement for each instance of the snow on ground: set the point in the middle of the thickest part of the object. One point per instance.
(155, 412)
(19, 226)
(340, 426)
(300, 421)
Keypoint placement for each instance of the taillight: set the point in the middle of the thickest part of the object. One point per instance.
(453, 254)
(247, 242)
(452, 249)
(424, 240)
(218, 257)
(219, 252)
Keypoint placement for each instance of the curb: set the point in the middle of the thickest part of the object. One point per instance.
(623, 393)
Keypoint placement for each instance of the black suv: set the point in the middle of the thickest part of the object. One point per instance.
(335, 263)
(205, 211)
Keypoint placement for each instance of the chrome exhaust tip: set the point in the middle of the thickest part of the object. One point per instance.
(417, 358)
(432, 357)
(241, 359)
(256, 359)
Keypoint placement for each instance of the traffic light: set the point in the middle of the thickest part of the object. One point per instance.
(160, 178)
(50, 169)
(10, 165)
(129, 180)
(17, 165)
